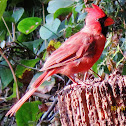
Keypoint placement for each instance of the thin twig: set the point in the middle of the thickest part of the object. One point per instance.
(25, 65)
(54, 115)
(95, 73)
(122, 52)
(56, 75)
(13, 27)
(13, 31)
(16, 62)
(7, 27)
(15, 79)
(119, 4)
(68, 82)
(97, 2)
(47, 113)
(43, 12)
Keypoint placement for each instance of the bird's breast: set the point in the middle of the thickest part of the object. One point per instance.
(84, 63)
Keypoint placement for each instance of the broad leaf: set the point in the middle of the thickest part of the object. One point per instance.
(2, 7)
(28, 25)
(63, 11)
(6, 75)
(50, 30)
(28, 114)
(56, 4)
(68, 32)
(14, 92)
(49, 18)
(17, 14)
(21, 69)
(95, 66)
(33, 45)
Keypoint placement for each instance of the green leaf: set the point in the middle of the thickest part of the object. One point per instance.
(5, 75)
(74, 15)
(63, 11)
(95, 66)
(56, 4)
(17, 14)
(117, 51)
(117, 64)
(68, 32)
(2, 32)
(50, 30)
(106, 69)
(109, 40)
(8, 17)
(79, 7)
(28, 114)
(30, 63)
(23, 38)
(81, 17)
(42, 48)
(14, 92)
(2, 7)
(49, 18)
(28, 25)
(33, 45)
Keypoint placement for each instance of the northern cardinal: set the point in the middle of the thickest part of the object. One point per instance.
(76, 54)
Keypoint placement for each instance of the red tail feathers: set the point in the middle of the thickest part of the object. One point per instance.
(34, 87)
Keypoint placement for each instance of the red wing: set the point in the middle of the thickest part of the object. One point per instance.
(73, 48)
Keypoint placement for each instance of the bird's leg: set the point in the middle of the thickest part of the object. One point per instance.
(82, 81)
(73, 80)
(96, 74)
(85, 76)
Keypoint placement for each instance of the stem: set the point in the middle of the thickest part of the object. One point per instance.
(96, 74)
(25, 66)
(122, 52)
(13, 31)
(43, 13)
(7, 27)
(97, 2)
(45, 115)
(119, 4)
(2, 54)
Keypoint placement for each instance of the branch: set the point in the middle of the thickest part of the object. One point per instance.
(15, 79)
(7, 27)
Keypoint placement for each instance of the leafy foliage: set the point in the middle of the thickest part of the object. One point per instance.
(32, 116)
(30, 24)
(2, 7)
(31, 30)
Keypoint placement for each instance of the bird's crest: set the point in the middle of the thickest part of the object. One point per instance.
(96, 12)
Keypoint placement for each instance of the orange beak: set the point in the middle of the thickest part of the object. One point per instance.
(108, 21)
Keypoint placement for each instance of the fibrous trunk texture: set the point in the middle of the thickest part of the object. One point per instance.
(94, 103)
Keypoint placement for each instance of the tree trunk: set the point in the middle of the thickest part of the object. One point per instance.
(94, 102)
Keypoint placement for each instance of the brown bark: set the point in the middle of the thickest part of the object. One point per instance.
(101, 103)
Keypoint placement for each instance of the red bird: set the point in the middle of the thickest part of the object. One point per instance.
(76, 54)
